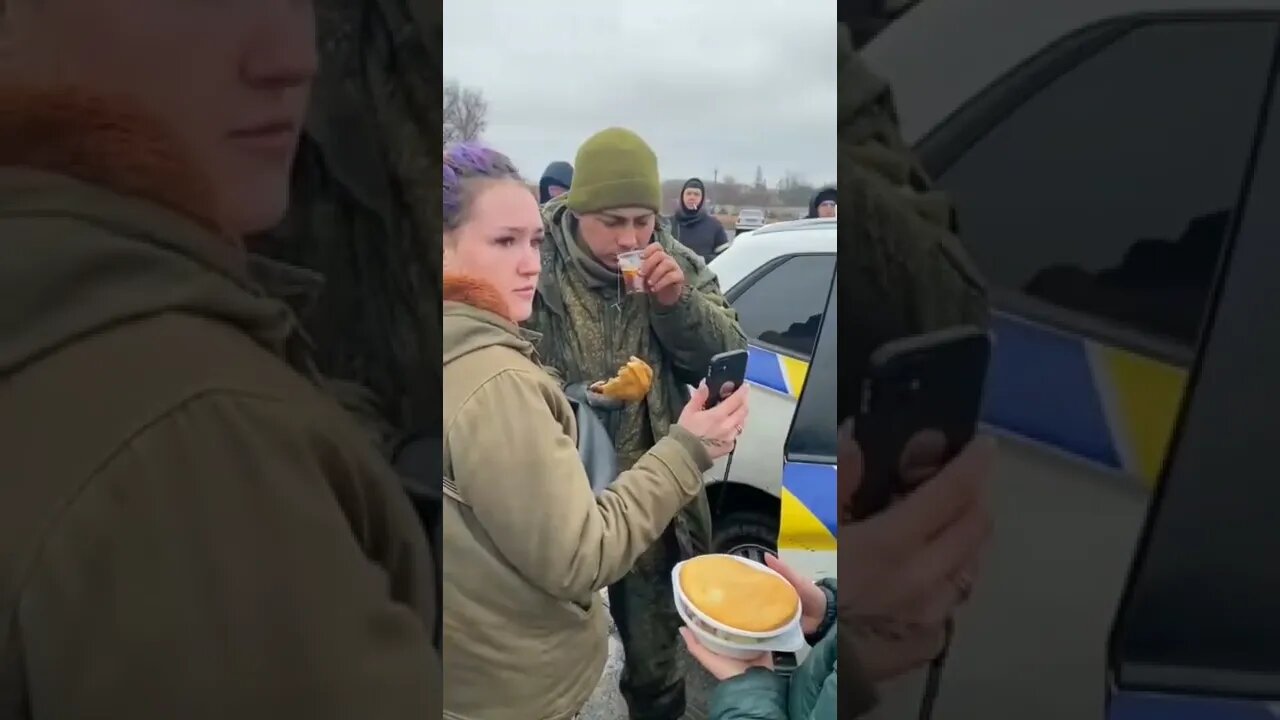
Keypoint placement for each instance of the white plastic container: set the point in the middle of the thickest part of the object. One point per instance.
(730, 642)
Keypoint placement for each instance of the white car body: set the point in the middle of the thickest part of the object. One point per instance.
(749, 219)
(776, 374)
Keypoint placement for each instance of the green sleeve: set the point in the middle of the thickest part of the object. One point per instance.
(824, 706)
(757, 694)
(814, 685)
(701, 324)
(828, 587)
(809, 683)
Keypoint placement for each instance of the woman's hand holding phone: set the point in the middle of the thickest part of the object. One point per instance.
(903, 571)
(717, 427)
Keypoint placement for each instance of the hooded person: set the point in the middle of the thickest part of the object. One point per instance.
(529, 544)
(589, 326)
(184, 506)
(823, 203)
(693, 226)
(555, 181)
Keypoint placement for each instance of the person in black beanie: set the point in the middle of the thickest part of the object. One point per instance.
(693, 226)
(823, 203)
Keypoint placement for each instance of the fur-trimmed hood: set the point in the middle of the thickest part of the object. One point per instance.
(476, 317)
(477, 293)
(104, 221)
(102, 142)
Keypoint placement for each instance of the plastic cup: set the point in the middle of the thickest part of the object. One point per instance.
(629, 264)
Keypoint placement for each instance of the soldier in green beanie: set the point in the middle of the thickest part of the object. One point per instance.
(590, 325)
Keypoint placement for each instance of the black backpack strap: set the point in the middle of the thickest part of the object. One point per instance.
(595, 446)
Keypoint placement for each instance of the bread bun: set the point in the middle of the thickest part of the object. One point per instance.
(738, 595)
(631, 384)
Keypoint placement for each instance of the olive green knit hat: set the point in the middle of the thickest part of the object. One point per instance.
(615, 168)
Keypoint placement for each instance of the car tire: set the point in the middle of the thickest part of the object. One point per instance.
(747, 533)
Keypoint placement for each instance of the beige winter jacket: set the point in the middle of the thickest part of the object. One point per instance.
(528, 545)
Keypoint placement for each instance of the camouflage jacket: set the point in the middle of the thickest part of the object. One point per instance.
(365, 209)
(905, 271)
(588, 330)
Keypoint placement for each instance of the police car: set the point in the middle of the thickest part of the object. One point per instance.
(1115, 164)
(779, 279)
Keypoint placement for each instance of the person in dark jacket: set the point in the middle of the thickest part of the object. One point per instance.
(693, 226)
(823, 203)
(555, 181)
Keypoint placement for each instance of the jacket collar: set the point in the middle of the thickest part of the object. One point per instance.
(477, 293)
(106, 220)
(105, 142)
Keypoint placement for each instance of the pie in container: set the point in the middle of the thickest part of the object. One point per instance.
(631, 384)
(738, 595)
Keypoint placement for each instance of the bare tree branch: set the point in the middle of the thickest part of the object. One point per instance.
(465, 113)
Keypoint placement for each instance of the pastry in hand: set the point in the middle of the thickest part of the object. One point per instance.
(631, 384)
(737, 594)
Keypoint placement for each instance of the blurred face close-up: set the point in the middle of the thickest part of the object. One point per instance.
(692, 198)
(556, 190)
(228, 80)
(500, 243)
(611, 232)
(827, 209)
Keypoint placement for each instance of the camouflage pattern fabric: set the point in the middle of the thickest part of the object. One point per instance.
(903, 268)
(364, 217)
(301, 288)
(641, 605)
(588, 328)
(365, 212)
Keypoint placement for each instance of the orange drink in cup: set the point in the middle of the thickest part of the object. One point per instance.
(629, 264)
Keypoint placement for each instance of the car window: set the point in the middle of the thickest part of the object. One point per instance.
(813, 430)
(1107, 192)
(1200, 611)
(782, 307)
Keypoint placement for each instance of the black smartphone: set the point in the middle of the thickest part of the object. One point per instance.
(725, 373)
(919, 406)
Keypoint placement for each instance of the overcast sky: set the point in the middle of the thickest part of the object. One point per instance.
(729, 85)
